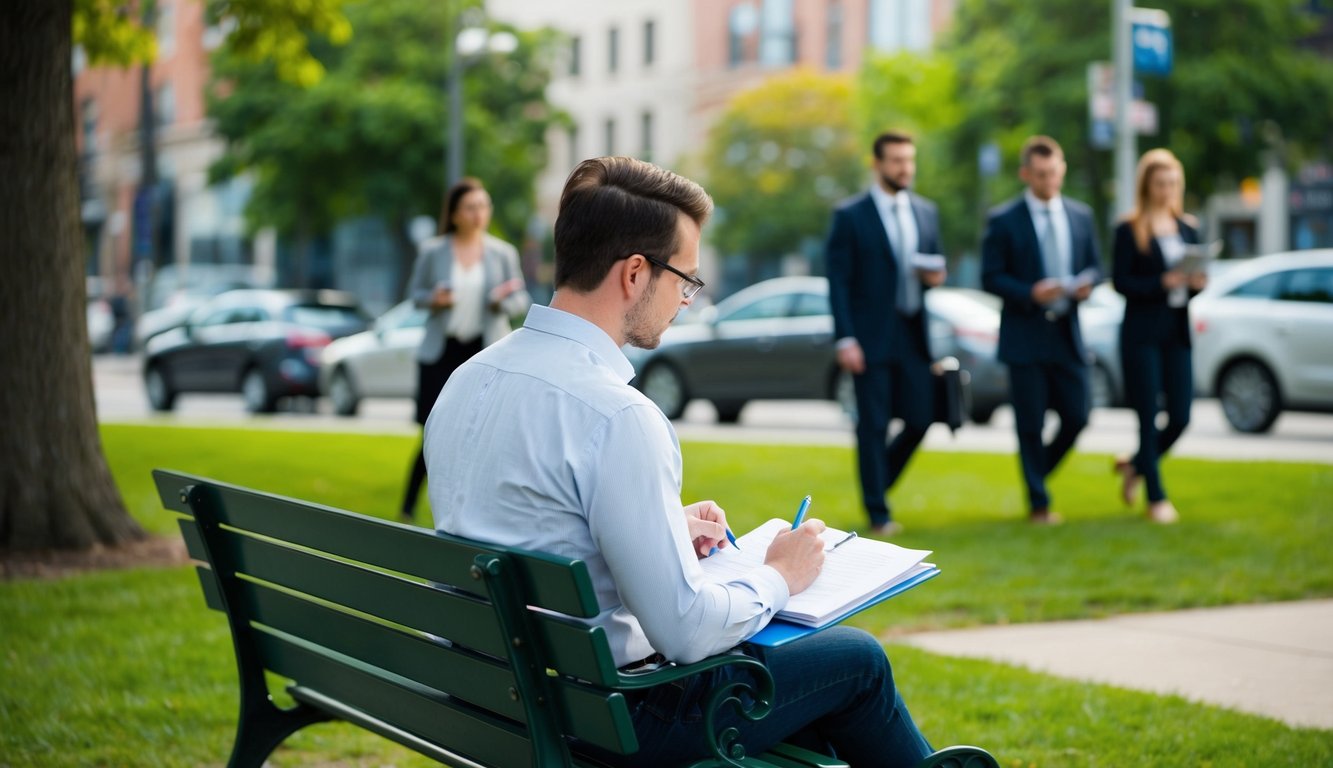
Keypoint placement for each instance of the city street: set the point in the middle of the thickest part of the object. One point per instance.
(1295, 437)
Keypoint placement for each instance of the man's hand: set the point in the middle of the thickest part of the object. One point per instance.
(707, 524)
(1083, 291)
(933, 277)
(797, 554)
(851, 359)
(1047, 290)
(1198, 281)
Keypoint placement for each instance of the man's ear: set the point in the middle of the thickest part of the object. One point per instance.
(634, 275)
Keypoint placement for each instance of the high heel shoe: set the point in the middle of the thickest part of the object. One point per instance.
(1163, 512)
(1129, 480)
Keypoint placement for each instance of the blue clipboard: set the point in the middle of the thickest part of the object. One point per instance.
(780, 632)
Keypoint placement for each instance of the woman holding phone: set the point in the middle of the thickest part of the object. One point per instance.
(471, 284)
(1150, 248)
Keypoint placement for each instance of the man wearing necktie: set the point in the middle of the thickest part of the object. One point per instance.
(876, 290)
(1040, 256)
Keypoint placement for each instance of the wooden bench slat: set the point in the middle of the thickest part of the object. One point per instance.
(479, 681)
(554, 583)
(209, 582)
(464, 620)
(408, 705)
(194, 540)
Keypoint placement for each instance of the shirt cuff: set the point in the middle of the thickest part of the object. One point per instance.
(771, 587)
(845, 342)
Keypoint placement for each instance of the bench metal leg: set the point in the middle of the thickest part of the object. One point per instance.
(960, 757)
(263, 727)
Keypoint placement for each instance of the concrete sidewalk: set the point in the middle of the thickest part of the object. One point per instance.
(1274, 660)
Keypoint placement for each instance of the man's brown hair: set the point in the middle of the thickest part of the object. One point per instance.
(615, 207)
(889, 137)
(1040, 146)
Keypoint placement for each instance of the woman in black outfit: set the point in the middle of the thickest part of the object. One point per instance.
(472, 284)
(1155, 335)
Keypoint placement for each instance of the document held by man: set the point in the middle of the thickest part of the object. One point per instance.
(859, 573)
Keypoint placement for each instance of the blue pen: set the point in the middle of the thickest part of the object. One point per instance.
(731, 537)
(800, 513)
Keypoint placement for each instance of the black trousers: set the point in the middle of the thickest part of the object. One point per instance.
(1157, 376)
(1033, 389)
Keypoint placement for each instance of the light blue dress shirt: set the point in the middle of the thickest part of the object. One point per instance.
(539, 442)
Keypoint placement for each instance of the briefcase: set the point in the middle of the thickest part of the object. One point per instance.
(949, 395)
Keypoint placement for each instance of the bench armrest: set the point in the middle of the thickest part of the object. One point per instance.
(750, 695)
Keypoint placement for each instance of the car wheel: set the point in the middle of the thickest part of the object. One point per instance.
(665, 387)
(161, 397)
(343, 393)
(258, 397)
(1101, 386)
(844, 393)
(1249, 396)
(728, 411)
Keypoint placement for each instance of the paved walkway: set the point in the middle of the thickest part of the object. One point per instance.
(1274, 660)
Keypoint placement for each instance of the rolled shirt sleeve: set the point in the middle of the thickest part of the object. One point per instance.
(632, 498)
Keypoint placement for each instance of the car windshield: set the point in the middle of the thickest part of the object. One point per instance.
(323, 316)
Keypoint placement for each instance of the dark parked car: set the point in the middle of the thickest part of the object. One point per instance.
(774, 341)
(265, 344)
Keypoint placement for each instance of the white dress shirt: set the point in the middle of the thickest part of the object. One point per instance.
(469, 290)
(1064, 241)
(539, 442)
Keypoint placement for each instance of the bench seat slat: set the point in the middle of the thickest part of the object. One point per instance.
(408, 705)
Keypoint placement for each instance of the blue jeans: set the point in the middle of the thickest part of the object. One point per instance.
(834, 693)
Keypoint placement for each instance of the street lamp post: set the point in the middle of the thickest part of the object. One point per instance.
(470, 44)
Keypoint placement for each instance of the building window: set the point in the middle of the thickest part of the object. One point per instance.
(610, 136)
(88, 122)
(833, 36)
(164, 104)
(575, 56)
(649, 42)
(613, 50)
(900, 25)
(646, 136)
(575, 154)
(165, 28)
(777, 28)
(741, 26)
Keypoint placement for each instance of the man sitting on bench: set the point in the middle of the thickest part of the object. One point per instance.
(539, 442)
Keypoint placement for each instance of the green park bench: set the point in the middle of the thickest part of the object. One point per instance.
(450, 647)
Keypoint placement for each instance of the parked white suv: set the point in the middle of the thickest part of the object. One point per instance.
(1263, 338)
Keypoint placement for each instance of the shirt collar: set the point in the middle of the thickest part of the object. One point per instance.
(578, 330)
(883, 199)
(1055, 204)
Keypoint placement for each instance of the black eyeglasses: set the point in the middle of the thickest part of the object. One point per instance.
(690, 284)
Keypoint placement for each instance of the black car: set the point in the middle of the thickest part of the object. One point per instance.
(265, 344)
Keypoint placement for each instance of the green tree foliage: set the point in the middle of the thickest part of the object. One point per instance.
(368, 137)
(777, 161)
(1241, 81)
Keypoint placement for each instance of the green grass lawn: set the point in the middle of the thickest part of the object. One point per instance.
(129, 668)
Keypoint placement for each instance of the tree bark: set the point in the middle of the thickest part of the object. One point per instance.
(56, 490)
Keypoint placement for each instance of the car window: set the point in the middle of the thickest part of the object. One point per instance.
(810, 305)
(226, 315)
(763, 309)
(248, 315)
(1264, 287)
(1308, 285)
(322, 316)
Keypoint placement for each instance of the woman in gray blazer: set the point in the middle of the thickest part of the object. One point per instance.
(472, 285)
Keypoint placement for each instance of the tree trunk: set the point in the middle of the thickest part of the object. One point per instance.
(56, 490)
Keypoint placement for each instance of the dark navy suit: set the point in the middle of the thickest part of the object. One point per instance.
(863, 279)
(1154, 350)
(1048, 366)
